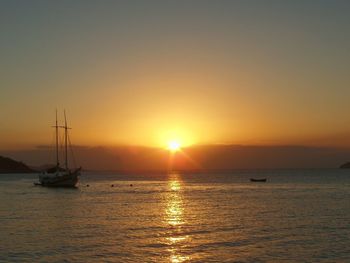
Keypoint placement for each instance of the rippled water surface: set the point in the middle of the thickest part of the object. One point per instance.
(297, 216)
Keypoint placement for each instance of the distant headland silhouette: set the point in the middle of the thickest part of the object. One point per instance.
(345, 165)
(194, 158)
(8, 165)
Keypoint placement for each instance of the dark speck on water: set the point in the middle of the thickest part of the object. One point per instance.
(299, 216)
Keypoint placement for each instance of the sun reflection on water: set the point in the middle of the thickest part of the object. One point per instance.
(174, 209)
(174, 216)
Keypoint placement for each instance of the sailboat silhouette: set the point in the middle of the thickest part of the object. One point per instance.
(58, 176)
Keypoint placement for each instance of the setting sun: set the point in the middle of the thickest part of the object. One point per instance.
(174, 146)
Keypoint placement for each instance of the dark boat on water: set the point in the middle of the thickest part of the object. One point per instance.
(58, 176)
(66, 178)
(258, 180)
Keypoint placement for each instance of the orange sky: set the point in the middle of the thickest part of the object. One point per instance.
(200, 74)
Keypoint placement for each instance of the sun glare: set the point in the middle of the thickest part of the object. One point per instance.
(174, 146)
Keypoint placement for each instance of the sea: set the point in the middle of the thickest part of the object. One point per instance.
(296, 216)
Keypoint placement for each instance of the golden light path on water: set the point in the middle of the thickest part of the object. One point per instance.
(174, 216)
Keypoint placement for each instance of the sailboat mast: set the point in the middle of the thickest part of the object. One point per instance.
(57, 161)
(65, 139)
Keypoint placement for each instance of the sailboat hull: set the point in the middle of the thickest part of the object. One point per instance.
(67, 179)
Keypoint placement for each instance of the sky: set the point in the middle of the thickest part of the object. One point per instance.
(199, 72)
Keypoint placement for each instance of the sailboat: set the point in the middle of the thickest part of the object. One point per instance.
(58, 176)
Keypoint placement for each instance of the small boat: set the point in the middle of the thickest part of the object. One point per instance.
(258, 180)
(57, 176)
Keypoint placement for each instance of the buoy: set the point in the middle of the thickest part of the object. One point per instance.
(112, 185)
(87, 185)
(130, 184)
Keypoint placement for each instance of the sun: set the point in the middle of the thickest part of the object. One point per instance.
(174, 146)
